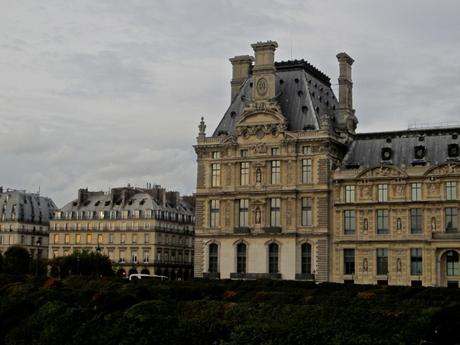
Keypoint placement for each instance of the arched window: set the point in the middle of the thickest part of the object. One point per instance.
(306, 258)
(273, 254)
(452, 263)
(213, 256)
(241, 258)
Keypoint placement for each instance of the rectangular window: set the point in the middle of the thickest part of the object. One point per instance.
(56, 238)
(416, 221)
(134, 238)
(383, 192)
(275, 151)
(244, 173)
(122, 238)
(275, 209)
(382, 261)
(99, 239)
(307, 171)
(122, 256)
(306, 150)
(244, 212)
(111, 238)
(215, 155)
(451, 217)
(382, 222)
(146, 257)
(134, 257)
(416, 261)
(214, 214)
(89, 238)
(77, 238)
(306, 212)
(350, 194)
(451, 190)
(215, 175)
(349, 221)
(146, 238)
(276, 172)
(67, 239)
(349, 261)
(243, 153)
(416, 189)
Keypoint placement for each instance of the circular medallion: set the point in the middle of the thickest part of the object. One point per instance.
(262, 86)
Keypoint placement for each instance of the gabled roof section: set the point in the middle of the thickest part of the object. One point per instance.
(303, 92)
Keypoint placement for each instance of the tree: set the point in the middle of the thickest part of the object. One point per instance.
(84, 263)
(17, 260)
(1, 262)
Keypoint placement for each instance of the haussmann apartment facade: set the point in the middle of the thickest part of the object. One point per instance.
(286, 189)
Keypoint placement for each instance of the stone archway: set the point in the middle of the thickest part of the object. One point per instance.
(121, 273)
(145, 271)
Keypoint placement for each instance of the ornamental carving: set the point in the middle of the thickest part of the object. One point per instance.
(445, 170)
(381, 172)
(260, 148)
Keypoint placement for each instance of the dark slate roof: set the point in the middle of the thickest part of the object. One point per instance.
(138, 199)
(25, 207)
(366, 149)
(303, 92)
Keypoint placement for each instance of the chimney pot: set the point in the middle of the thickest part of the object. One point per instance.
(241, 66)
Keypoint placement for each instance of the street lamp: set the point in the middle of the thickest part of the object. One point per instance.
(37, 244)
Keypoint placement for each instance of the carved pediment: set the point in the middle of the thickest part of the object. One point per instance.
(382, 171)
(444, 169)
(260, 119)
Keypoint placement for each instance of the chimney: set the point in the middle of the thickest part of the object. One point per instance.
(264, 70)
(346, 119)
(173, 198)
(82, 196)
(241, 66)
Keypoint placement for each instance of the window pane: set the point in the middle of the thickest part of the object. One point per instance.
(276, 172)
(349, 261)
(349, 222)
(382, 261)
(307, 171)
(416, 261)
(306, 212)
(213, 257)
(275, 212)
(241, 258)
(306, 258)
(244, 213)
(273, 258)
(244, 173)
(416, 220)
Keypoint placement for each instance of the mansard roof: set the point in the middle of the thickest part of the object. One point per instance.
(366, 150)
(21, 206)
(130, 198)
(303, 92)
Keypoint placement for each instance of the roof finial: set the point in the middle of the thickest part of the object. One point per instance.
(202, 128)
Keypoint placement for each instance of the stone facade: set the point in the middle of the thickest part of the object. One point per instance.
(142, 230)
(24, 221)
(287, 190)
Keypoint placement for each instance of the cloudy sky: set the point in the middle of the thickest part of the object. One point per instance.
(104, 93)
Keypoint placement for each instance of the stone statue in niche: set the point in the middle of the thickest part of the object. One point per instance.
(433, 224)
(258, 176)
(365, 265)
(398, 265)
(366, 224)
(257, 215)
(398, 224)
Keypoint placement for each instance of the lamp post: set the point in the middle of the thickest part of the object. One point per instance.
(37, 244)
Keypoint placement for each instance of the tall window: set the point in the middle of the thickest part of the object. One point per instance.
(215, 175)
(349, 261)
(243, 153)
(275, 210)
(452, 263)
(306, 150)
(382, 261)
(416, 189)
(215, 155)
(244, 173)
(214, 212)
(134, 257)
(241, 258)
(350, 194)
(213, 258)
(382, 222)
(451, 190)
(349, 220)
(244, 212)
(416, 261)
(307, 171)
(276, 172)
(306, 212)
(305, 251)
(273, 258)
(383, 192)
(77, 238)
(416, 220)
(275, 151)
(451, 215)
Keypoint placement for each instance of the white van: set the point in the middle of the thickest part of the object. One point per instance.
(136, 276)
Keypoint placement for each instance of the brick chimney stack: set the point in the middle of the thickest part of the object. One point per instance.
(264, 70)
(346, 119)
(241, 66)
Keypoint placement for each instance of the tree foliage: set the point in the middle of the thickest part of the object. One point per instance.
(17, 260)
(82, 263)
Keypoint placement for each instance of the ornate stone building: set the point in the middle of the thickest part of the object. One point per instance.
(286, 189)
(142, 230)
(24, 221)
(263, 184)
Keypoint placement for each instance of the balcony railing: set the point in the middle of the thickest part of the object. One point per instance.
(254, 276)
(272, 230)
(241, 230)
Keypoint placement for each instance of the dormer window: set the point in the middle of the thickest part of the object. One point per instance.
(453, 150)
(419, 152)
(386, 154)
